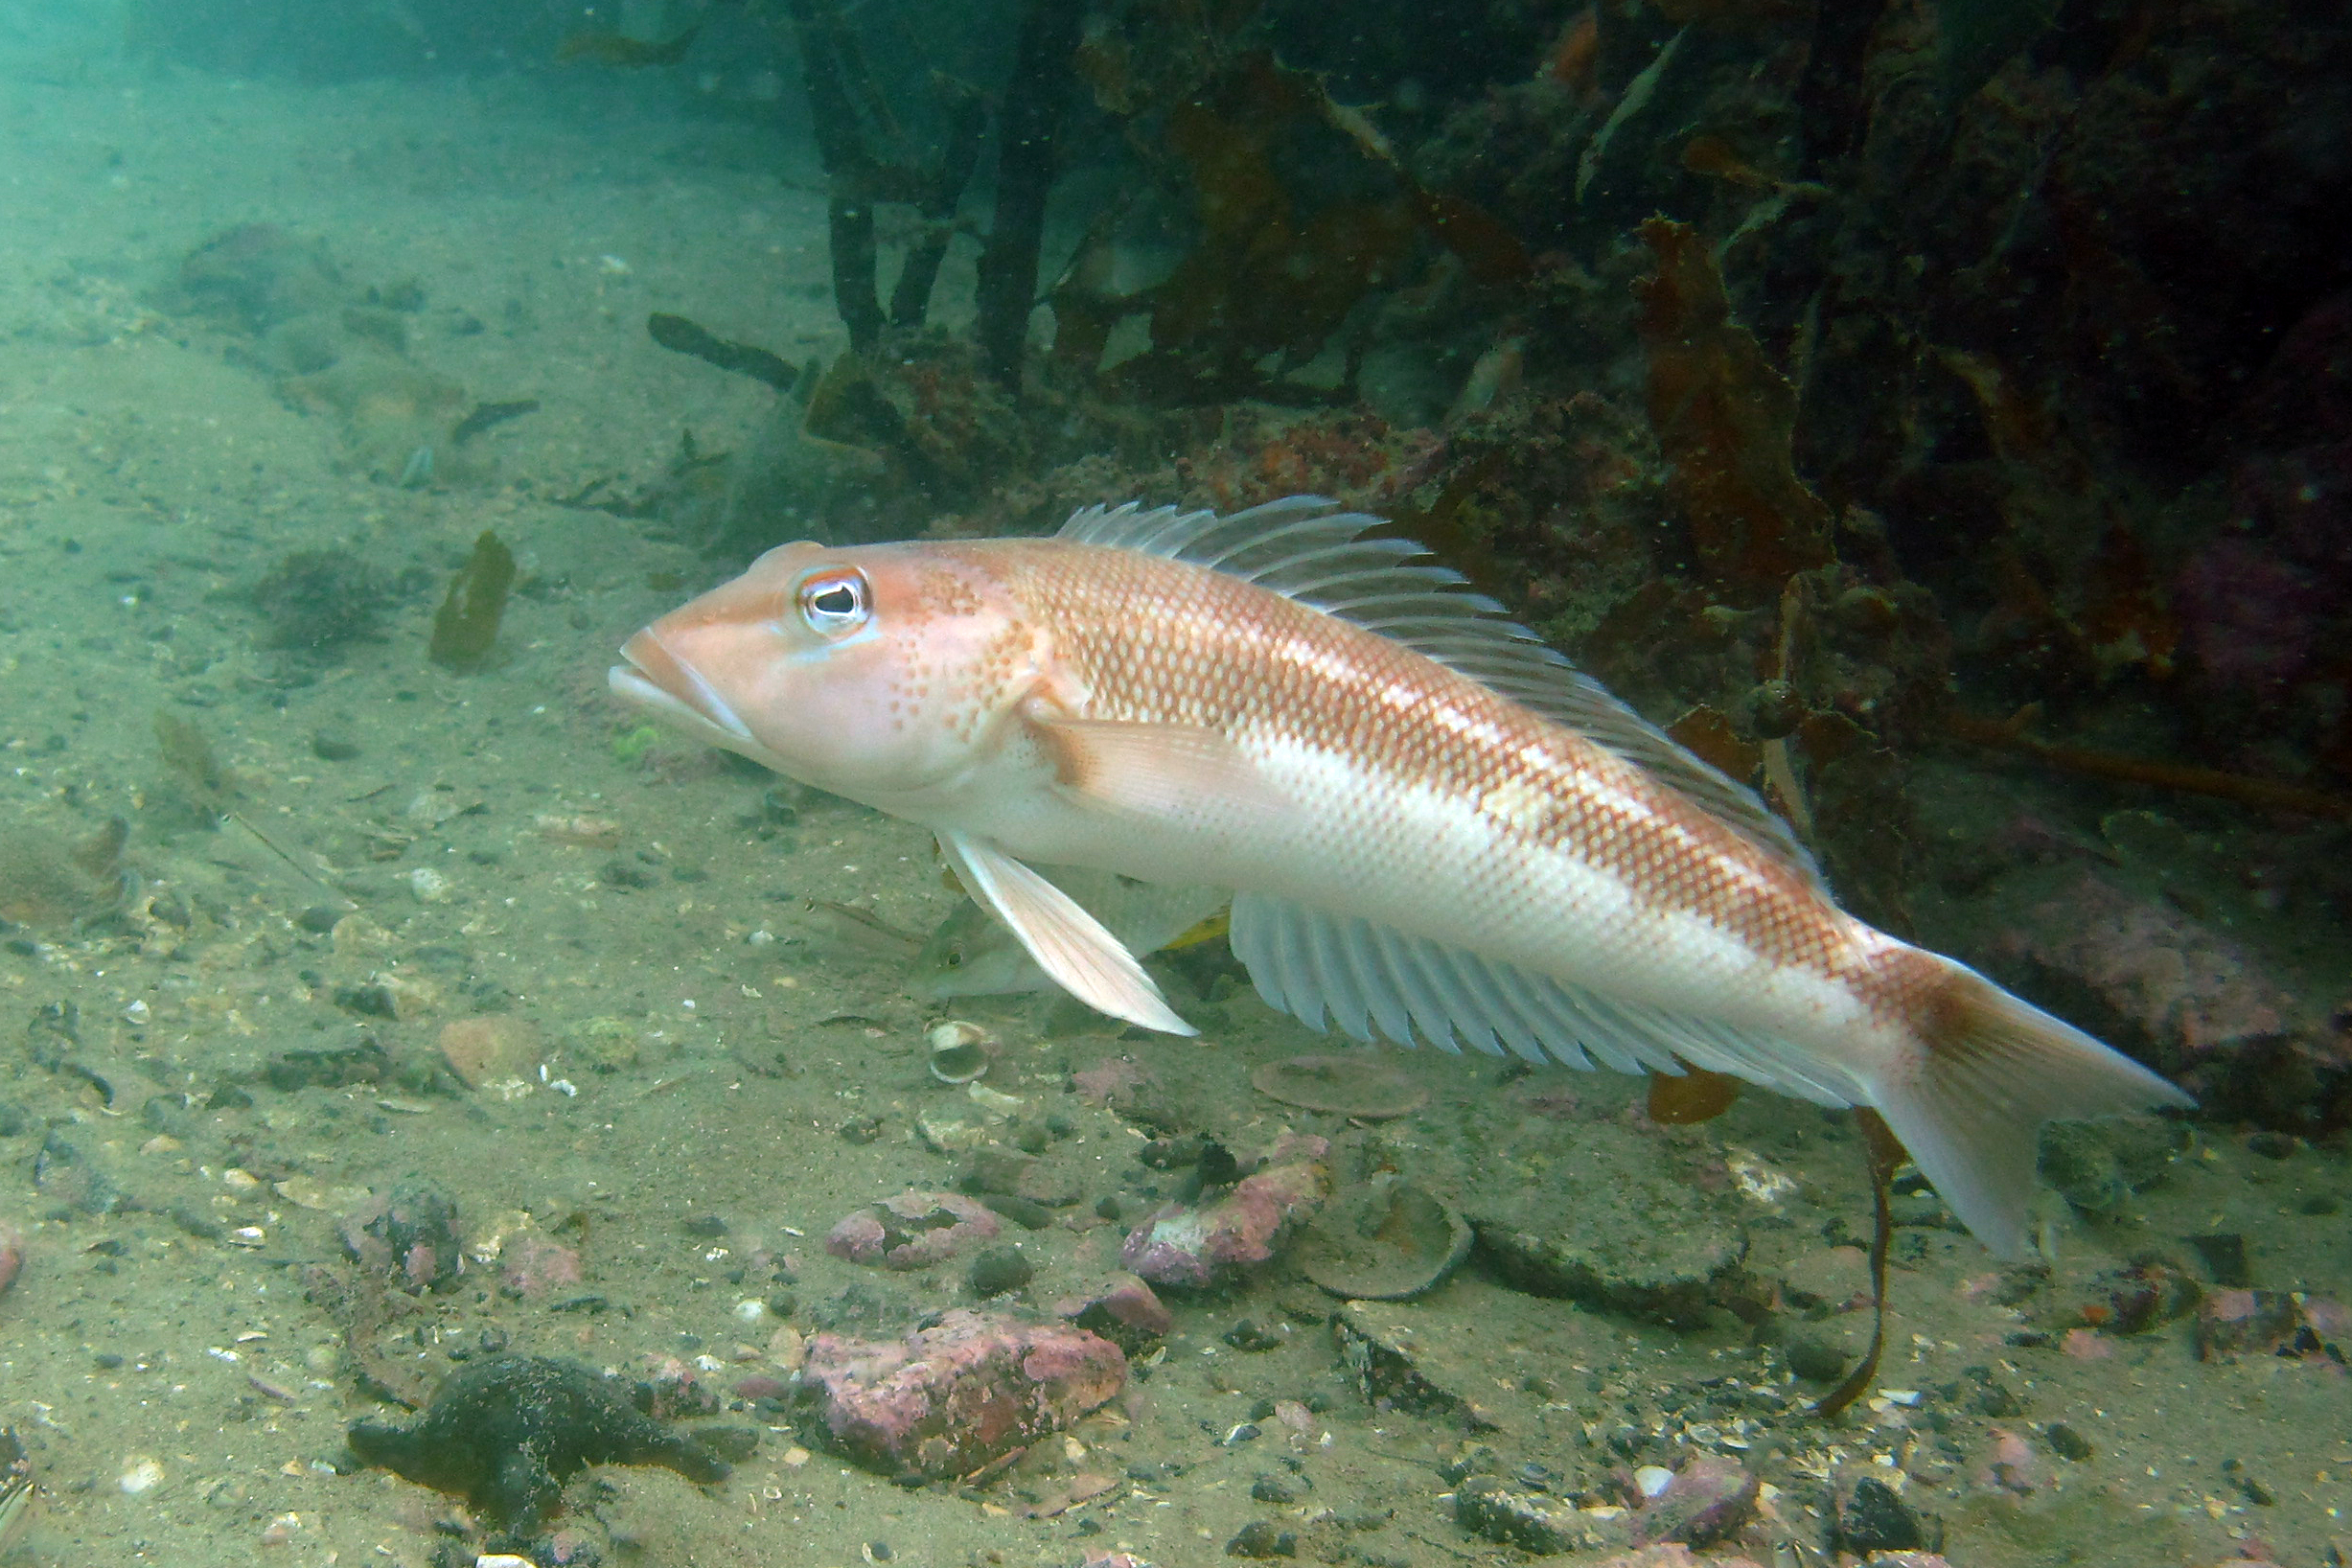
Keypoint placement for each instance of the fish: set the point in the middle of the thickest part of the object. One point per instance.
(971, 955)
(1436, 827)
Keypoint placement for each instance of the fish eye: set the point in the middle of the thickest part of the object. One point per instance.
(834, 601)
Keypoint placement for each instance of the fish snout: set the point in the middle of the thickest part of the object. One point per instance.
(656, 678)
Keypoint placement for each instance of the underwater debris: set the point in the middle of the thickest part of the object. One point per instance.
(506, 1433)
(1724, 419)
(315, 602)
(466, 626)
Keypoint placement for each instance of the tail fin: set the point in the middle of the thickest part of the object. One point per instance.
(1990, 1070)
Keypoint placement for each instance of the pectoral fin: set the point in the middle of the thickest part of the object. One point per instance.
(1155, 770)
(1067, 943)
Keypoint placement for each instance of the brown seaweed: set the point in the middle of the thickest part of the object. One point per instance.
(192, 764)
(466, 626)
(2261, 793)
(607, 48)
(1724, 418)
(681, 335)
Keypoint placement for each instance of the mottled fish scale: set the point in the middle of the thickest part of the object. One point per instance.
(1224, 654)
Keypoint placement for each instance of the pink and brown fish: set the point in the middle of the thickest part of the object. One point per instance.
(1434, 825)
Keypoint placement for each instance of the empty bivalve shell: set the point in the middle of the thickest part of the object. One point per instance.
(958, 1051)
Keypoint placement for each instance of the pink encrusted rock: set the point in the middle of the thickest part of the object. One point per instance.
(2183, 988)
(2270, 1322)
(911, 1231)
(1192, 1247)
(961, 1397)
(533, 1265)
(1671, 1555)
(12, 1254)
(1120, 1307)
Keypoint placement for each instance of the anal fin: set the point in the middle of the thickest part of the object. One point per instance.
(1069, 944)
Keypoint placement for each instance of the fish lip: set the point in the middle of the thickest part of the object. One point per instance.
(657, 677)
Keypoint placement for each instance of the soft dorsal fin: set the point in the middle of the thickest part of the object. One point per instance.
(1308, 549)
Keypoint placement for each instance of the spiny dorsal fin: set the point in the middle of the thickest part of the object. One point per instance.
(1307, 548)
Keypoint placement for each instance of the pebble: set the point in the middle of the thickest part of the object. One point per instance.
(1874, 1519)
(1488, 1506)
(999, 1271)
(1261, 1538)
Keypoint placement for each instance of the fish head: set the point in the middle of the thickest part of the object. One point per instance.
(878, 672)
(970, 956)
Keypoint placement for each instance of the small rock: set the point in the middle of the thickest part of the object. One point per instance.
(1872, 1518)
(1815, 1359)
(2224, 1255)
(911, 1231)
(411, 1234)
(959, 1398)
(1647, 1241)
(2066, 1443)
(1195, 1246)
(1122, 1309)
(999, 1271)
(1491, 1507)
(533, 1266)
(1707, 1500)
(63, 1174)
(490, 1051)
(1259, 1539)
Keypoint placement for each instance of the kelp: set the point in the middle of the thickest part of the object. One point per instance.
(1303, 212)
(869, 160)
(1027, 133)
(1723, 416)
(466, 626)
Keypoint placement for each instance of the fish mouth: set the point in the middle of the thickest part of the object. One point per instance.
(656, 678)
